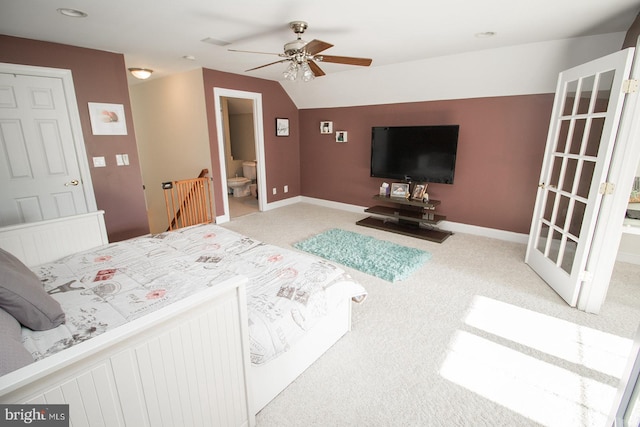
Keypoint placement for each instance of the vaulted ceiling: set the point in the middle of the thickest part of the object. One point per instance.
(167, 35)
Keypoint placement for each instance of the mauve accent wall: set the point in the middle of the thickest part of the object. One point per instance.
(98, 77)
(631, 39)
(282, 154)
(500, 150)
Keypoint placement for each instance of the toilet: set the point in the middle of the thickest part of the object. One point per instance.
(240, 185)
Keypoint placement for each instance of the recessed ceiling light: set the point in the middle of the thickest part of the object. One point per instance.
(189, 57)
(216, 42)
(73, 13)
(486, 34)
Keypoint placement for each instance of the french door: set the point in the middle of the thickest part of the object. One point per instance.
(582, 133)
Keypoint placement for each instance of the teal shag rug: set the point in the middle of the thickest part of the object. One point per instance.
(386, 260)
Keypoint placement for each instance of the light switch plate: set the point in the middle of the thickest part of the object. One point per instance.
(99, 162)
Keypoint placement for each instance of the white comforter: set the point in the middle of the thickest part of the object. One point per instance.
(100, 289)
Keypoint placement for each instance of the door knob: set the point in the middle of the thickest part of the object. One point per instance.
(74, 182)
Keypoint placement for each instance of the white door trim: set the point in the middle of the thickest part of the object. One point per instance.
(258, 130)
(74, 119)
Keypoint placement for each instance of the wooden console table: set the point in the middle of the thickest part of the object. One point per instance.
(408, 217)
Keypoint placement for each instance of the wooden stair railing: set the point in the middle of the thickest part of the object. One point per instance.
(189, 201)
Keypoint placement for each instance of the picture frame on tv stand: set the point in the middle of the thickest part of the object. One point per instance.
(419, 190)
(399, 190)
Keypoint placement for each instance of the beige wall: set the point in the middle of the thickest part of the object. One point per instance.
(172, 134)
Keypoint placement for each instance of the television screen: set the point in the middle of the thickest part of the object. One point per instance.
(415, 153)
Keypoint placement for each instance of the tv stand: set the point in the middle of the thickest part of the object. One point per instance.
(408, 217)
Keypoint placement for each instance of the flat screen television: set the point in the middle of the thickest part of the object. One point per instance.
(415, 153)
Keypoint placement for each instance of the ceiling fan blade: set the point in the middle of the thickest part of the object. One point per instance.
(251, 51)
(266, 65)
(317, 71)
(365, 62)
(316, 46)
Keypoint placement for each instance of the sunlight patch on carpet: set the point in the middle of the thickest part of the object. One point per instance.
(380, 258)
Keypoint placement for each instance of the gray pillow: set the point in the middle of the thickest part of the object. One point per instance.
(13, 355)
(23, 296)
(9, 326)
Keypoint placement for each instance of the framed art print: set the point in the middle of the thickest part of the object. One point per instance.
(326, 127)
(282, 127)
(107, 119)
(341, 136)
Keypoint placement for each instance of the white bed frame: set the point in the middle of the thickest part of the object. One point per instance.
(147, 381)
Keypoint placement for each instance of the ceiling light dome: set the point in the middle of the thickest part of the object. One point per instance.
(141, 73)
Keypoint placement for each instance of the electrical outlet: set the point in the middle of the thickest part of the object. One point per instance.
(119, 160)
(275, 191)
(286, 188)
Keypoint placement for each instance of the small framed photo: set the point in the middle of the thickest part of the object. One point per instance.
(341, 136)
(419, 191)
(282, 127)
(399, 190)
(107, 119)
(326, 127)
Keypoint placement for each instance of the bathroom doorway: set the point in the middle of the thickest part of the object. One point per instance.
(241, 151)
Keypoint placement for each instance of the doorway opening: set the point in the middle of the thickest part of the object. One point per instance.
(241, 152)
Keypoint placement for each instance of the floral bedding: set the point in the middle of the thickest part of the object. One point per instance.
(100, 289)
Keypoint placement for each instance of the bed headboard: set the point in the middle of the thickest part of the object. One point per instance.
(45, 241)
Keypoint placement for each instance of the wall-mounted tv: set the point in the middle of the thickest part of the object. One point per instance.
(415, 153)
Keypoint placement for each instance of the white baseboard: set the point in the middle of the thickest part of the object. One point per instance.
(332, 204)
(628, 257)
(493, 233)
(454, 227)
(281, 203)
(445, 225)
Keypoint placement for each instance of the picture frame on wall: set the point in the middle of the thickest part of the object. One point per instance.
(341, 136)
(282, 127)
(326, 127)
(399, 190)
(107, 119)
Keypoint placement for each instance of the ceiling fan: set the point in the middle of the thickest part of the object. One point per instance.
(303, 56)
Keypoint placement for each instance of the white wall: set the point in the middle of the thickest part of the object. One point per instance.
(516, 70)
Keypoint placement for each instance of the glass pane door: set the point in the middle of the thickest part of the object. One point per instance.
(586, 112)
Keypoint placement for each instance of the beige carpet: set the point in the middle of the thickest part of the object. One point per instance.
(473, 338)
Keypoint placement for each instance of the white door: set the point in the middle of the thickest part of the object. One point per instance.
(40, 176)
(584, 122)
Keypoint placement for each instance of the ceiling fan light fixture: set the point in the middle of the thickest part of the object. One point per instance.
(307, 74)
(141, 73)
(291, 73)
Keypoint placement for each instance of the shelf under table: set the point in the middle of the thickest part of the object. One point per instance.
(410, 215)
(433, 235)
